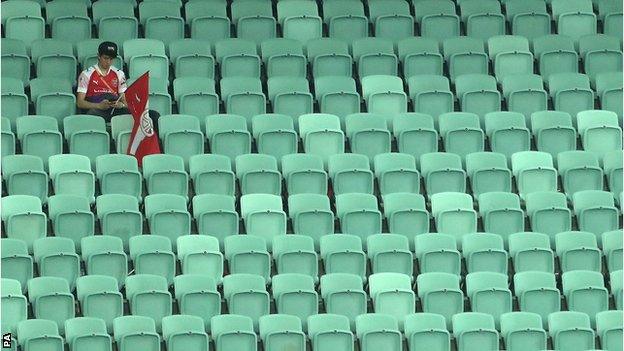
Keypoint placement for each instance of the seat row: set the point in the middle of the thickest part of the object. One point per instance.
(300, 20)
(325, 332)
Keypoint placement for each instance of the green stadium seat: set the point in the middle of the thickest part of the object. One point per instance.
(428, 330)
(599, 131)
(431, 95)
(343, 254)
(437, 253)
(384, 94)
(104, 255)
(578, 251)
(14, 304)
(181, 135)
(523, 330)
(167, 216)
(488, 172)
(119, 216)
(16, 263)
(391, 19)
(442, 173)
(501, 213)
(570, 331)
(23, 218)
(330, 331)
(329, 56)
(136, 331)
(358, 214)
(254, 20)
(148, 297)
(196, 96)
(199, 254)
(151, 254)
(478, 94)
(461, 133)
(243, 96)
(571, 92)
(165, 174)
(484, 252)
(275, 135)
(207, 20)
(555, 53)
(258, 174)
(615, 279)
(237, 58)
(321, 135)
(537, 293)
(119, 174)
(27, 28)
(574, 18)
(525, 94)
(420, 56)
(295, 254)
(311, 216)
(246, 295)
(437, 19)
(579, 171)
(528, 18)
(465, 55)
(440, 294)
(390, 253)
(294, 295)
(264, 216)
(86, 135)
(392, 295)
(54, 59)
(548, 213)
(345, 20)
(530, 251)
(290, 95)
(368, 134)
(281, 330)
(212, 174)
(56, 257)
(228, 135)
(601, 53)
(396, 173)
(99, 298)
(343, 295)
(20, 9)
(415, 134)
(304, 173)
(197, 295)
(336, 95)
(182, 332)
(283, 57)
(585, 292)
(14, 105)
(192, 57)
(39, 332)
(454, 214)
(553, 132)
(507, 132)
(533, 171)
(71, 217)
(143, 55)
(121, 127)
(53, 97)
(489, 294)
(161, 22)
(377, 330)
(595, 211)
(15, 60)
(609, 91)
(233, 331)
(248, 254)
(374, 56)
(215, 216)
(406, 214)
(609, 329)
(299, 20)
(483, 19)
(510, 55)
(50, 299)
(24, 175)
(612, 249)
(68, 20)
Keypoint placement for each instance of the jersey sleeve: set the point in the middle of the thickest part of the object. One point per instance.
(122, 81)
(83, 82)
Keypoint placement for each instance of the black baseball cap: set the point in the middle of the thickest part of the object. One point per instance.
(107, 48)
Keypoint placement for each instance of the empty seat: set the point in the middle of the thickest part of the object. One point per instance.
(330, 57)
(39, 136)
(330, 331)
(431, 95)
(294, 295)
(391, 20)
(181, 135)
(374, 56)
(182, 332)
(243, 96)
(136, 331)
(290, 95)
(474, 331)
(507, 132)
(484, 252)
(254, 21)
(426, 329)
(609, 91)
(39, 333)
(152, 254)
(548, 213)
(358, 214)
(483, 19)
(337, 95)
(16, 263)
(24, 219)
(304, 173)
(208, 20)
(523, 330)
(24, 175)
(488, 172)
(350, 173)
(595, 211)
(167, 216)
(148, 296)
(119, 174)
(86, 135)
(197, 296)
(229, 330)
(578, 251)
(51, 299)
(555, 54)
(284, 57)
(71, 217)
(528, 18)
(615, 278)
(237, 58)
(258, 174)
(8, 138)
(295, 254)
(501, 213)
(199, 254)
(488, 293)
(533, 171)
(212, 174)
(215, 215)
(570, 331)
(14, 304)
(442, 172)
(275, 135)
(570, 92)
(525, 94)
(311, 216)
(143, 55)
(612, 162)
(437, 19)
(192, 57)
(54, 59)
(392, 294)
(368, 133)
(537, 293)
(579, 171)
(440, 294)
(600, 53)
(346, 20)
(396, 172)
(415, 134)
(553, 132)
(510, 55)
(69, 21)
(477, 93)
(609, 329)
(299, 20)
(343, 294)
(248, 254)
(599, 131)
(574, 18)
(585, 292)
(461, 133)
(246, 295)
(377, 330)
(104, 255)
(263, 216)
(406, 214)
(420, 56)
(15, 60)
(531, 252)
(119, 216)
(321, 135)
(612, 249)
(437, 253)
(165, 174)
(26, 28)
(100, 298)
(390, 253)
(454, 214)
(343, 254)
(161, 21)
(465, 55)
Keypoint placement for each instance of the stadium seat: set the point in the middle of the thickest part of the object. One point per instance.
(196, 97)
(104, 255)
(406, 214)
(24, 219)
(501, 213)
(534, 172)
(246, 295)
(609, 91)
(330, 331)
(330, 56)
(148, 296)
(15, 60)
(609, 329)
(254, 21)
(264, 216)
(343, 254)
(574, 18)
(442, 172)
(283, 57)
(99, 298)
(311, 216)
(165, 174)
(14, 105)
(248, 254)
(258, 174)
(585, 292)
(199, 254)
(215, 216)
(483, 19)
(523, 330)
(345, 20)
(415, 134)
(299, 20)
(528, 18)
(437, 19)
(579, 171)
(384, 94)
(428, 330)
(612, 249)
(344, 295)
(290, 95)
(454, 214)
(474, 331)
(530, 251)
(152, 254)
(294, 295)
(336, 95)
(578, 251)
(525, 94)
(358, 215)
(54, 59)
(17, 264)
(51, 299)
(136, 331)
(167, 216)
(321, 135)
(350, 173)
(86, 135)
(488, 172)
(377, 330)
(461, 133)
(431, 95)
(488, 293)
(555, 54)
(600, 53)
(24, 175)
(390, 253)
(595, 211)
(53, 97)
(599, 132)
(374, 56)
(612, 164)
(119, 174)
(119, 216)
(571, 92)
(615, 278)
(465, 55)
(192, 58)
(570, 331)
(243, 96)
(115, 22)
(68, 21)
(420, 56)
(392, 295)
(228, 135)
(275, 135)
(197, 296)
(281, 330)
(39, 332)
(440, 294)
(14, 304)
(484, 252)
(212, 174)
(207, 20)
(478, 94)
(295, 254)
(182, 332)
(391, 20)
(507, 132)
(548, 213)
(553, 132)
(233, 331)
(396, 173)
(304, 173)
(121, 127)
(510, 55)
(237, 58)
(437, 253)
(71, 217)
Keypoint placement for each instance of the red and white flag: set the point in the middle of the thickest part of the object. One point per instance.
(143, 140)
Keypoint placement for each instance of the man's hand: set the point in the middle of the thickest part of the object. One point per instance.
(104, 105)
(118, 104)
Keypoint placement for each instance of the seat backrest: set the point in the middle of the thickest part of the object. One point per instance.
(247, 9)
(355, 202)
(233, 47)
(608, 320)
(228, 323)
(462, 45)
(321, 323)
(96, 244)
(238, 282)
(163, 202)
(17, 204)
(333, 84)
(212, 202)
(177, 123)
(141, 47)
(115, 202)
(552, 43)
(287, 85)
(20, 163)
(333, 9)
(495, 121)
(196, 9)
(470, 321)
(208, 163)
(307, 202)
(530, 159)
(10, 286)
(516, 321)
(176, 324)
(573, 280)
(326, 46)
(573, 240)
(191, 85)
(433, 7)
(474, 82)
(564, 320)
(187, 244)
(260, 202)
(289, 282)
(457, 120)
(498, 200)
(423, 321)
(567, 160)
(543, 200)
(43, 286)
(142, 244)
(132, 325)
(380, 84)
(33, 328)
(476, 242)
(393, 161)
(450, 201)
(591, 198)
(595, 119)
(50, 47)
(564, 6)
(317, 121)
(161, 163)
(280, 46)
(388, 281)
(531, 280)
(434, 161)
(139, 283)
(292, 243)
(527, 240)
(338, 243)
(567, 81)
(417, 45)
(271, 122)
(295, 8)
(549, 119)
(188, 46)
(235, 244)
(79, 123)
(115, 163)
(434, 241)
(300, 162)
(478, 281)
(12, 247)
(342, 162)
(371, 322)
(66, 203)
(222, 123)
(334, 282)
(435, 281)
(371, 45)
(378, 243)
(187, 283)
(411, 121)
(499, 44)
(483, 160)
(93, 284)
(254, 162)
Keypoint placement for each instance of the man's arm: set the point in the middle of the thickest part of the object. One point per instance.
(81, 102)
